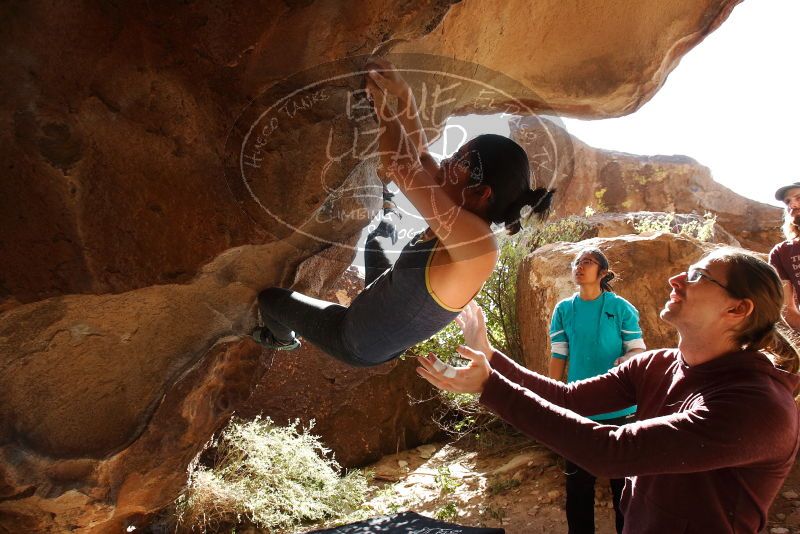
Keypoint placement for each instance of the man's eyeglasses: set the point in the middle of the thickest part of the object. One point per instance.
(695, 274)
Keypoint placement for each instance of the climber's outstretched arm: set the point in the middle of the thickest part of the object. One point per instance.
(388, 79)
(464, 234)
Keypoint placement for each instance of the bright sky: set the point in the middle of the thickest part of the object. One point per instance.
(731, 104)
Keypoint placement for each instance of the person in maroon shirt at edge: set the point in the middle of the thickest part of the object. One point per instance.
(717, 425)
(785, 256)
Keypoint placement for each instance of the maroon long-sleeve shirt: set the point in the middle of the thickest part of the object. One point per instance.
(710, 450)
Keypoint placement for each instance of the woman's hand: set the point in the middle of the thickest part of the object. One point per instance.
(469, 379)
(385, 76)
(377, 97)
(627, 356)
(472, 322)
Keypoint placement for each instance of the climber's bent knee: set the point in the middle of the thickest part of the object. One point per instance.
(272, 295)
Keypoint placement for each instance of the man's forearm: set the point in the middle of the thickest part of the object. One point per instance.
(538, 383)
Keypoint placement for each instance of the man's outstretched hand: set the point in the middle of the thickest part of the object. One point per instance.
(469, 379)
(472, 322)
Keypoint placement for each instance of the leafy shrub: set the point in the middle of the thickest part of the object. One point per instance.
(448, 512)
(701, 230)
(654, 223)
(567, 229)
(502, 485)
(445, 480)
(270, 476)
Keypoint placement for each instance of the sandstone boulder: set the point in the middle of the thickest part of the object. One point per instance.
(643, 264)
(583, 60)
(105, 399)
(644, 222)
(616, 182)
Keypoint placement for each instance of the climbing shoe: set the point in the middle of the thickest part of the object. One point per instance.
(264, 337)
(389, 206)
(386, 228)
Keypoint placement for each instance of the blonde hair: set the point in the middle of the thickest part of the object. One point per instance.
(790, 229)
(752, 278)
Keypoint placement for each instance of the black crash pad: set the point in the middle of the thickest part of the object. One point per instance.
(406, 523)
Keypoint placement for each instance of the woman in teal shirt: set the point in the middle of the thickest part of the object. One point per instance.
(593, 330)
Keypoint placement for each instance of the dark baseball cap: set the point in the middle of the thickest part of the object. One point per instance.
(782, 191)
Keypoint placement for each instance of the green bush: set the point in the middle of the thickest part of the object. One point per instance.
(447, 512)
(567, 229)
(701, 230)
(498, 298)
(269, 476)
(446, 481)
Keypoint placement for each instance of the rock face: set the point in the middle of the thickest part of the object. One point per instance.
(643, 263)
(163, 165)
(583, 60)
(643, 222)
(117, 118)
(360, 414)
(116, 121)
(616, 182)
(105, 399)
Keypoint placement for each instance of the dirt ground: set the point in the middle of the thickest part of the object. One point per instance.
(784, 516)
(517, 485)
